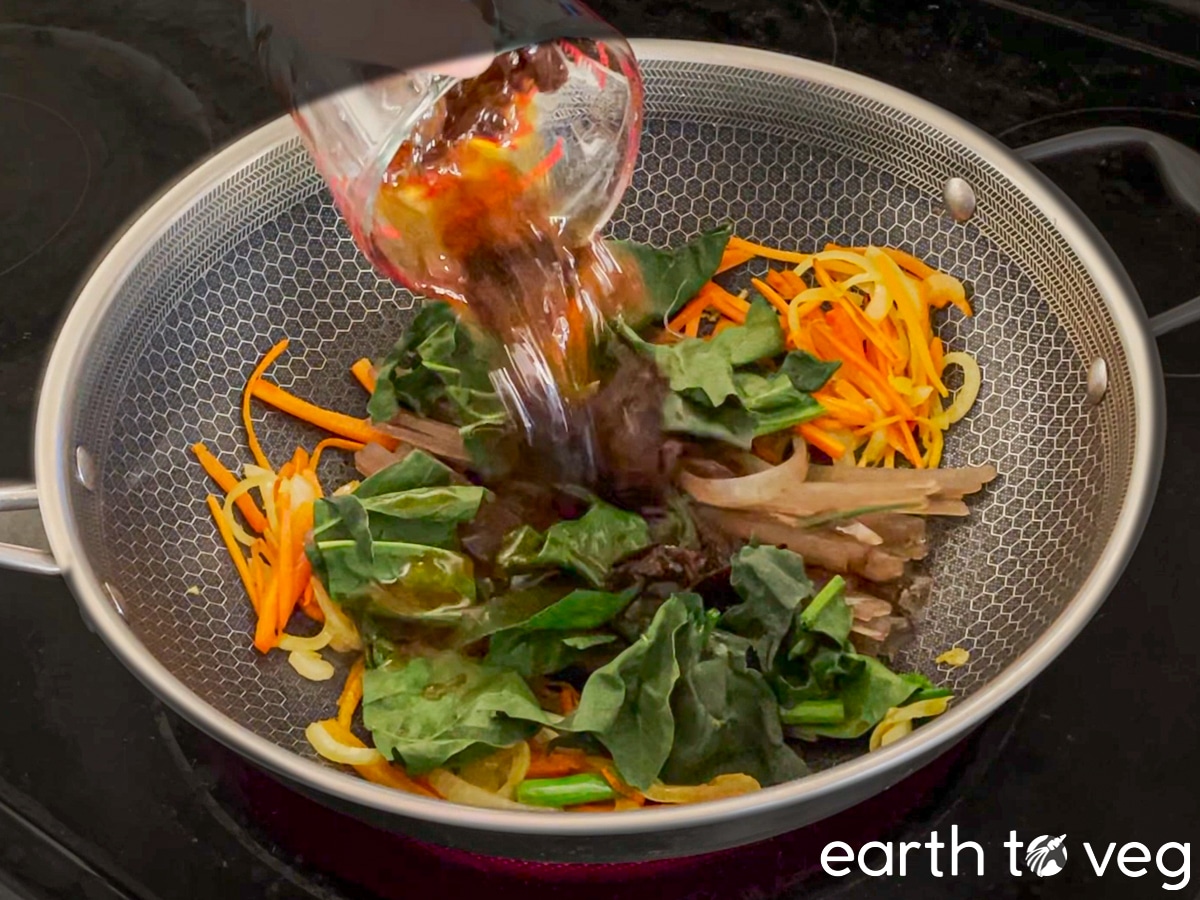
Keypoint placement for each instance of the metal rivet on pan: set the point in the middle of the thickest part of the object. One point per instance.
(1097, 381)
(959, 198)
(116, 599)
(85, 468)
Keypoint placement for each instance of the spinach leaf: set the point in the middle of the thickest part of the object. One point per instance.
(806, 372)
(828, 612)
(729, 423)
(580, 610)
(703, 369)
(423, 515)
(427, 711)
(772, 584)
(727, 720)
(416, 470)
(588, 546)
(438, 369)
(626, 704)
(867, 696)
(819, 676)
(672, 277)
(532, 653)
(773, 402)
(400, 580)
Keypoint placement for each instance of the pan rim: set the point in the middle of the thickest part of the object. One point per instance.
(53, 473)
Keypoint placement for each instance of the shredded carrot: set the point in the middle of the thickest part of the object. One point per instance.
(557, 763)
(336, 443)
(364, 374)
(693, 311)
(265, 631)
(906, 261)
(771, 253)
(568, 699)
(721, 326)
(226, 481)
(309, 605)
(821, 440)
(730, 305)
(621, 787)
(338, 423)
(732, 258)
(251, 438)
(772, 296)
(605, 806)
(352, 693)
(231, 545)
(692, 328)
(782, 286)
(285, 577)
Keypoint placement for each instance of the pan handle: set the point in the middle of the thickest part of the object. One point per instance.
(14, 497)
(1178, 166)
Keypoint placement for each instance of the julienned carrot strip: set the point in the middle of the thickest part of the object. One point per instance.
(226, 481)
(286, 575)
(556, 763)
(309, 605)
(364, 374)
(338, 423)
(821, 440)
(780, 284)
(883, 394)
(694, 309)
(843, 326)
(692, 328)
(843, 411)
(231, 545)
(900, 436)
(786, 256)
(732, 258)
(352, 692)
(336, 443)
(717, 294)
(721, 326)
(265, 631)
(621, 787)
(772, 296)
(251, 438)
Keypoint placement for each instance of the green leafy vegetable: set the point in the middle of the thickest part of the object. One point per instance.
(729, 423)
(626, 704)
(772, 583)
(773, 402)
(416, 470)
(828, 612)
(399, 580)
(866, 696)
(427, 711)
(806, 372)
(727, 721)
(588, 546)
(532, 653)
(672, 277)
(437, 369)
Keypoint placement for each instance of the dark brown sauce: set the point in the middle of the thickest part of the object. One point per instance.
(465, 212)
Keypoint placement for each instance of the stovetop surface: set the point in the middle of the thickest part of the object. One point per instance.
(103, 793)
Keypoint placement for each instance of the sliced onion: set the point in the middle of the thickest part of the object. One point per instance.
(751, 491)
(456, 790)
(291, 642)
(733, 785)
(335, 751)
(500, 772)
(343, 635)
(258, 479)
(865, 607)
(311, 665)
(965, 398)
(860, 533)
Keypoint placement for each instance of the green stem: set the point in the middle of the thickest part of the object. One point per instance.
(572, 790)
(835, 586)
(814, 712)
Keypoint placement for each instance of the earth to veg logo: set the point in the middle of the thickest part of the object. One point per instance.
(1041, 857)
(1046, 855)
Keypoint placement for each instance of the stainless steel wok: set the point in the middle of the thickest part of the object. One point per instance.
(248, 248)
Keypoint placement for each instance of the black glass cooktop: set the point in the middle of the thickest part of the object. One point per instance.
(105, 794)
